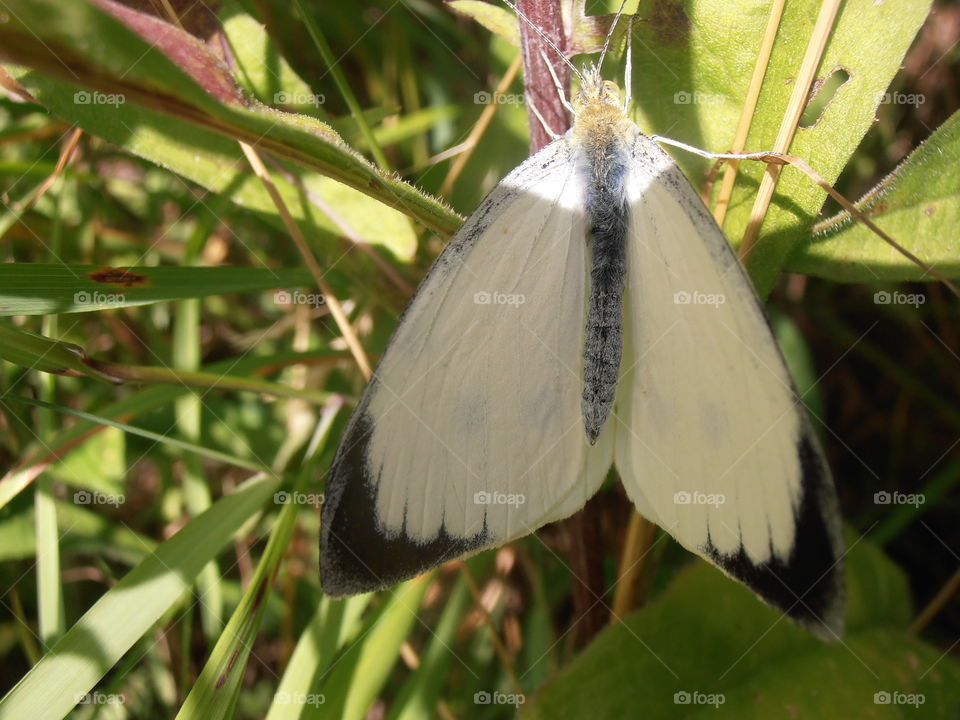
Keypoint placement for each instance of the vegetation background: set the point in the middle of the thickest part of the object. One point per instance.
(174, 383)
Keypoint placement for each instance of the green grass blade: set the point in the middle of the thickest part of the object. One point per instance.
(128, 610)
(335, 623)
(357, 678)
(43, 288)
(214, 694)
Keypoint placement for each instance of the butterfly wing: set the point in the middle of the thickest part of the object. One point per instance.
(712, 442)
(471, 433)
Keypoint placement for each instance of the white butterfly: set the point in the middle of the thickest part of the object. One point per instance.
(589, 313)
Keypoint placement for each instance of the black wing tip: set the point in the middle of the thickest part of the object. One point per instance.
(807, 589)
(360, 557)
(357, 555)
(809, 586)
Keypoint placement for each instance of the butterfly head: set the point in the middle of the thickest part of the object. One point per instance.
(596, 92)
(598, 113)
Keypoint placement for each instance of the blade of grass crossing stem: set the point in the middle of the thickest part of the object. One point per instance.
(418, 698)
(360, 673)
(196, 493)
(51, 620)
(790, 123)
(899, 516)
(20, 476)
(335, 623)
(215, 693)
(130, 609)
(333, 67)
(171, 442)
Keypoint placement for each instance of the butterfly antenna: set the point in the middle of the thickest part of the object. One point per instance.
(546, 39)
(613, 26)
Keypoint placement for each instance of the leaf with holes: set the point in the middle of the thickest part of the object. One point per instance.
(692, 67)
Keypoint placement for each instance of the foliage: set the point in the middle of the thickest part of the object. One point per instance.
(174, 387)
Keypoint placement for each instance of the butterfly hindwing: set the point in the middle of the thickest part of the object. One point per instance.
(713, 442)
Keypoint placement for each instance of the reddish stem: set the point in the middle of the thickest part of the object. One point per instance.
(539, 86)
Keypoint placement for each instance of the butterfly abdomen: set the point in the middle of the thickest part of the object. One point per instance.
(605, 161)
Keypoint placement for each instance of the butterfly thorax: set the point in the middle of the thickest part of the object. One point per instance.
(599, 119)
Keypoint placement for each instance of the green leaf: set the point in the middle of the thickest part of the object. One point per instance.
(153, 96)
(263, 71)
(497, 20)
(41, 353)
(918, 205)
(692, 68)
(216, 163)
(99, 464)
(127, 611)
(54, 288)
(707, 638)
